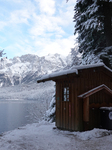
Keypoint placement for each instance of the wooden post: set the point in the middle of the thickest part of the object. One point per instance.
(86, 112)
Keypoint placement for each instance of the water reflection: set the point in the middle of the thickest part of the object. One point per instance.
(14, 114)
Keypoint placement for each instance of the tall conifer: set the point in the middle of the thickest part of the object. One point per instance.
(93, 23)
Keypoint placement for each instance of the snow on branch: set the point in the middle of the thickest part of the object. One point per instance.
(50, 113)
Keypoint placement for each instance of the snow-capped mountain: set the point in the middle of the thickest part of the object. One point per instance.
(28, 68)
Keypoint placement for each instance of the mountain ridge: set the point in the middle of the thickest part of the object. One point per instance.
(27, 68)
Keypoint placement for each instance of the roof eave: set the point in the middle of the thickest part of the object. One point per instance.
(73, 70)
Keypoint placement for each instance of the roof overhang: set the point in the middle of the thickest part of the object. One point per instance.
(72, 70)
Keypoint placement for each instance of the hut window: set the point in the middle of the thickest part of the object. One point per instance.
(66, 93)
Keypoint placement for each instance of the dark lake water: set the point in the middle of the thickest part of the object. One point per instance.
(14, 114)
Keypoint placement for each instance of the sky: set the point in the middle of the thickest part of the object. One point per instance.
(38, 27)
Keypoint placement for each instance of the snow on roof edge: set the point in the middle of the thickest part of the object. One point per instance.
(88, 66)
(107, 68)
(73, 69)
(56, 74)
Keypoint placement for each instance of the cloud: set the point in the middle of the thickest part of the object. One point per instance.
(61, 46)
(18, 49)
(41, 47)
(37, 26)
(47, 7)
(45, 26)
(2, 25)
(52, 25)
(19, 16)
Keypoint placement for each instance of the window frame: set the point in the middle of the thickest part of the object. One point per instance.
(66, 93)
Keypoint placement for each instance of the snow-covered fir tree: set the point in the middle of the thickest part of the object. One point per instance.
(77, 60)
(93, 23)
(2, 53)
(50, 113)
(90, 59)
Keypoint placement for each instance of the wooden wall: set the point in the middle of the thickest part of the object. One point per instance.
(69, 115)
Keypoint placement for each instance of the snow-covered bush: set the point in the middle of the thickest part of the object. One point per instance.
(50, 113)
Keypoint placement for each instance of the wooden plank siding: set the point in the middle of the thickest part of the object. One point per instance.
(58, 107)
(86, 109)
(75, 115)
(61, 110)
(73, 109)
(71, 115)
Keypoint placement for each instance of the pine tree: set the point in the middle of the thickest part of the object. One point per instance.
(2, 53)
(50, 115)
(93, 23)
(91, 59)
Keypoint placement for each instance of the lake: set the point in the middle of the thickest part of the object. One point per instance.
(17, 113)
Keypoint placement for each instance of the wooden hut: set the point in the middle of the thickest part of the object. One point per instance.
(80, 92)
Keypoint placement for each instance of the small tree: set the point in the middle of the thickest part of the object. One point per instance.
(50, 115)
(2, 53)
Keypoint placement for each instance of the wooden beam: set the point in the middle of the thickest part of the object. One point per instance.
(86, 109)
(95, 90)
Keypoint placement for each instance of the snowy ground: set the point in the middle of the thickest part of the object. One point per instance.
(43, 136)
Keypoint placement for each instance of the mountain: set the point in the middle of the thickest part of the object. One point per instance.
(27, 68)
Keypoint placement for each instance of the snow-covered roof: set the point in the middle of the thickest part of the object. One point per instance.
(73, 69)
